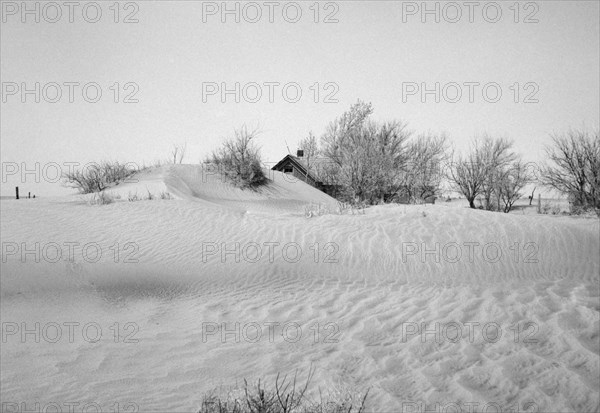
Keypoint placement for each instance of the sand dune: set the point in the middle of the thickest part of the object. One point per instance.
(423, 304)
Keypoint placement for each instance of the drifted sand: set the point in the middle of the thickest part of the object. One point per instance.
(367, 293)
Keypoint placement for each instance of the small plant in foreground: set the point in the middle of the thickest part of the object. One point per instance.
(102, 198)
(546, 207)
(135, 197)
(555, 209)
(357, 207)
(286, 397)
(315, 210)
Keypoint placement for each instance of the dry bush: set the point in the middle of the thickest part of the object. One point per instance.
(133, 197)
(98, 177)
(178, 153)
(555, 209)
(316, 210)
(546, 207)
(149, 197)
(353, 208)
(102, 198)
(287, 396)
(239, 160)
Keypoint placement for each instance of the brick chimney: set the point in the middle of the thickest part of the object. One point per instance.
(300, 153)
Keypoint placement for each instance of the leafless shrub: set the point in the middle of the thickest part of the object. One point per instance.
(133, 197)
(149, 197)
(102, 198)
(287, 396)
(546, 207)
(315, 210)
(356, 208)
(178, 153)
(239, 160)
(578, 210)
(98, 177)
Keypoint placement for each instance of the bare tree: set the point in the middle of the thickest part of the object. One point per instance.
(467, 175)
(476, 173)
(178, 153)
(574, 167)
(531, 196)
(339, 131)
(510, 182)
(423, 174)
(239, 159)
(368, 156)
(496, 155)
(310, 146)
(334, 145)
(389, 157)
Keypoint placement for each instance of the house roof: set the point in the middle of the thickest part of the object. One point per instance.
(316, 171)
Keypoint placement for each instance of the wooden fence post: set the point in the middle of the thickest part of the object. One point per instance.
(17, 191)
(539, 206)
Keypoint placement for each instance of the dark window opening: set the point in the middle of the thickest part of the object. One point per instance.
(288, 169)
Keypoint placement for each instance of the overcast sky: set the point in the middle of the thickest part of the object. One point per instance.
(178, 56)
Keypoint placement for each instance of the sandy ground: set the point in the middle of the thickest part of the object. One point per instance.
(150, 304)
